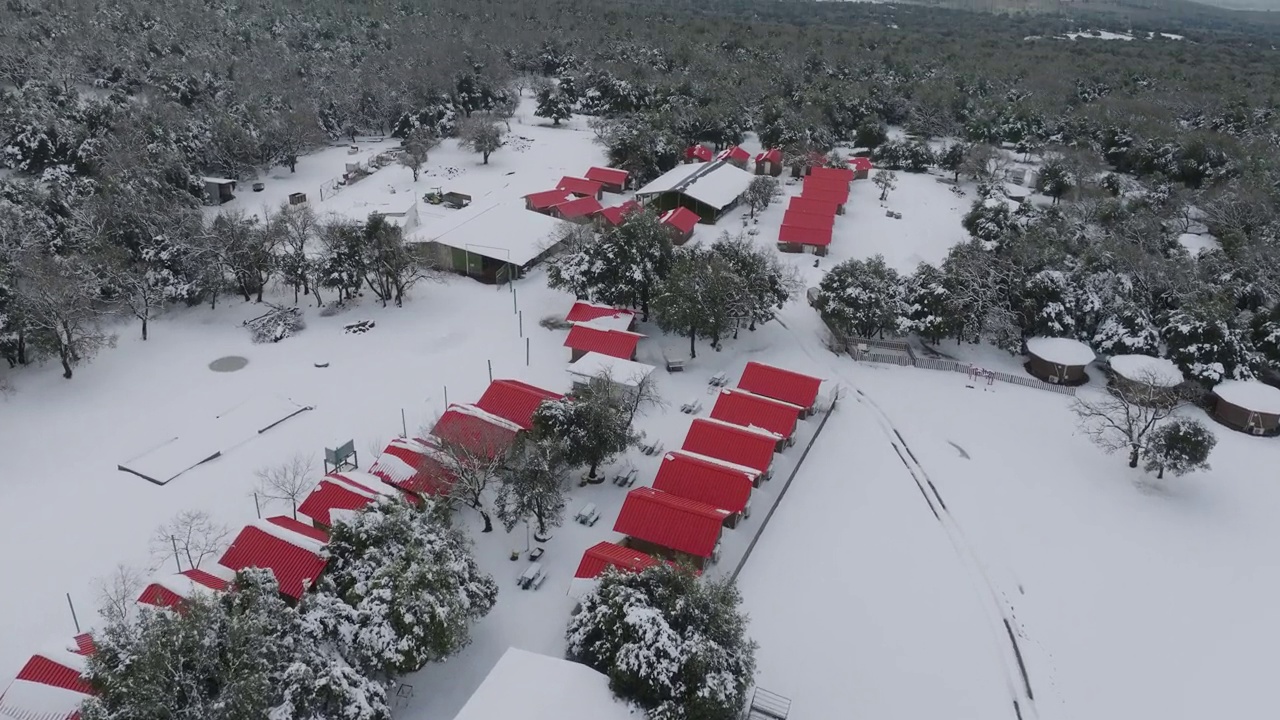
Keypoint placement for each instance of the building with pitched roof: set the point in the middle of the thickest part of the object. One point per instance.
(670, 526)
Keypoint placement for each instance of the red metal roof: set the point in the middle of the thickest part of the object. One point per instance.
(295, 565)
(405, 464)
(331, 496)
(670, 521)
(804, 236)
(842, 174)
(615, 343)
(433, 474)
(860, 163)
(55, 673)
(585, 311)
(580, 186)
(300, 527)
(26, 700)
(606, 554)
(773, 155)
(812, 206)
(608, 176)
(744, 408)
(705, 479)
(697, 152)
(162, 594)
(616, 214)
(83, 644)
(547, 199)
(682, 219)
(476, 431)
(735, 152)
(735, 443)
(514, 400)
(798, 218)
(581, 207)
(825, 193)
(780, 384)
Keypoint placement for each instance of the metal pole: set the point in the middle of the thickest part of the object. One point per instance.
(521, 313)
(404, 426)
(176, 561)
(526, 352)
(258, 506)
(514, 306)
(528, 545)
(74, 619)
(490, 370)
(446, 397)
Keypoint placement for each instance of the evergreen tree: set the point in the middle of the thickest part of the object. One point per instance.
(673, 644)
(927, 305)
(989, 221)
(622, 268)
(534, 485)
(586, 431)
(761, 193)
(886, 180)
(1053, 305)
(1207, 348)
(952, 158)
(401, 588)
(861, 297)
(766, 283)
(701, 296)
(1127, 330)
(1180, 446)
(1054, 180)
(553, 103)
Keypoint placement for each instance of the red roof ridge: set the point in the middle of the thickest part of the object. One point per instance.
(740, 391)
(284, 533)
(676, 502)
(753, 429)
(588, 324)
(473, 411)
(750, 472)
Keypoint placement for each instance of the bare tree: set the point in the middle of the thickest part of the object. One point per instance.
(296, 229)
(886, 180)
(761, 193)
(59, 300)
(193, 535)
(481, 134)
(118, 593)
(390, 266)
(1125, 417)
(474, 470)
(416, 148)
(288, 482)
(984, 163)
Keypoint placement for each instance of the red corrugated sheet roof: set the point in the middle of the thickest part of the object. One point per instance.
(606, 554)
(797, 218)
(735, 153)
(804, 236)
(583, 311)
(83, 644)
(735, 443)
(616, 214)
(698, 152)
(174, 593)
(45, 670)
(860, 163)
(514, 400)
(705, 479)
(608, 176)
(26, 700)
(547, 199)
(670, 521)
(405, 464)
(813, 207)
(328, 496)
(299, 527)
(582, 207)
(780, 384)
(580, 186)
(434, 473)
(744, 408)
(615, 343)
(475, 431)
(682, 219)
(825, 193)
(773, 155)
(842, 174)
(296, 565)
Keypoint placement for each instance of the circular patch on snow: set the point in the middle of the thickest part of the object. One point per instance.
(230, 363)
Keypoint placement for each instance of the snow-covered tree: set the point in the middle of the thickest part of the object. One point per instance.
(588, 430)
(886, 180)
(59, 303)
(1126, 330)
(553, 103)
(416, 148)
(1053, 305)
(401, 588)
(762, 191)
(952, 159)
(700, 297)
(989, 220)
(861, 297)
(673, 644)
(623, 267)
(534, 486)
(1264, 333)
(1206, 347)
(248, 252)
(298, 230)
(1180, 446)
(928, 305)
(909, 155)
(391, 267)
(1126, 416)
(1054, 179)
(482, 135)
(766, 283)
(342, 264)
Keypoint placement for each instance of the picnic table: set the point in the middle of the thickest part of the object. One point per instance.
(587, 515)
(720, 379)
(530, 576)
(626, 478)
(691, 407)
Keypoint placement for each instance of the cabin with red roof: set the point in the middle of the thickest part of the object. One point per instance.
(834, 175)
(475, 432)
(781, 384)
(826, 194)
(291, 550)
(861, 167)
(735, 156)
(614, 216)
(697, 154)
(797, 218)
(611, 179)
(172, 591)
(769, 162)
(802, 166)
(330, 495)
(581, 187)
(585, 337)
(600, 557)
(812, 206)
(579, 210)
(834, 187)
(793, 239)
(682, 221)
(749, 446)
(514, 400)
(601, 315)
(722, 485)
(408, 465)
(737, 406)
(670, 526)
(542, 202)
(48, 687)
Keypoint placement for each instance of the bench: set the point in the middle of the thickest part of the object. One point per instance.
(627, 478)
(718, 380)
(653, 448)
(529, 576)
(586, 514)
(691, 407)
(537, 582)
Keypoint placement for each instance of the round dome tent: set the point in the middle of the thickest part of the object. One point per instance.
(1248, 406)
(1060, 361)
(1144, 373)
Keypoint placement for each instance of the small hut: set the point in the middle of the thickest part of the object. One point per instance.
(769, 162)
(735, 156)
(1248, 406)
(611, 179)
(1143, 376)
(1060, 361)
(861, 167)
(697, 154)
(218, 190)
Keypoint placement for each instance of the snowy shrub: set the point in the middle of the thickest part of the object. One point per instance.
(1264, 331)
(861, 297)
(588, 431)
(1207, 348)
(989, 220)
(1181, 446)
(1127, 331)
(910, 155)
(927, 305)
(1054, 305)
(671, 643)
(401, 588)
(276, 325)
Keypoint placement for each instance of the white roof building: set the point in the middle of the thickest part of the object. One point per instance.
(503, 231)
(1154, 371)
(717, 184)
(622, 372)
(530, 686)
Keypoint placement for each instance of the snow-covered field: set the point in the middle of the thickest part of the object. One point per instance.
(1126, 600)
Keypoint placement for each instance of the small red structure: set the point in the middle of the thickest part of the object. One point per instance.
(748, 446)
(330, 495)
(682, 221)
(48, 687)
(475, 432)
(735, 156)
(715, 482)
(582, 187)
(812, 206)
(175, 590)
(828, 174)
(611, 179)
(740, 407)
(801, 239)
(662, 524)
(601, 315)
(286, 547)
(613, 216)
(797, 218)
(514, 400)
(769, 162)
(56, 669)
(835, 188)
(83, 644)
(697, 153)
(861, 167)
(406, 464)
(579, 210)
(584, 338)
(826, 194)
(780, 384)
(803, 166)
(606, 554)
(542, 202)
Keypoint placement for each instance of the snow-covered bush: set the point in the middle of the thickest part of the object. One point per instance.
(909, 155)
(277, 324)
(673, 644)
(1181, 446)
(1054, 305)
(989, 220)
(861, 297)
(401, 588)
(927, 305)
(1128, 330)
(1207, 348)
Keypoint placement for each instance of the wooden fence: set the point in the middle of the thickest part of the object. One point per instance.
(855, 347)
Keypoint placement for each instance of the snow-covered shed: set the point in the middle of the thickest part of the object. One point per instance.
(781, 384)
(218, 190)
(613, 216)
(329, 495)
(173, 590)
(586, 337)
(291, 550)
(861, 167)
(601, 315)
(698, 154)
(682, 222)
(406, 465)
(542, 202)
(492, 243)
(1144, 372)
(514, 400)
(769, 162)
(475, 432)
(1060, 361)
(708, 189)
(670, 526)
(735, 155)
(720, 484)
(530, 686)
(624, 374)
(1248, 406)
(611, 179)
(582, 187)
(605, 555)
(748, 446)
(795, 239)
(740, 407)
(48, 687)
(579, 210)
